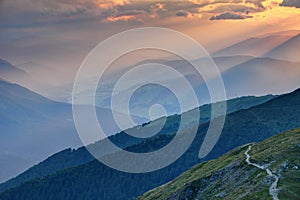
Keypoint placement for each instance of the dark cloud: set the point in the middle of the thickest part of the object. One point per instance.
(130, 13)
(42, 12)
(235, 8)
(182, 14)
(229, 15)
(291, 3)
(257, 3)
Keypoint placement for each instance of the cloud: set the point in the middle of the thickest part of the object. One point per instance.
(291, 3)
(230, 9)
(42, 12)
(127, 15)
(110, 4)
(153, 9)
(182, 14)
(55, 7)
(240, 6)
(228, 15)
(120, 18)
(159, 6)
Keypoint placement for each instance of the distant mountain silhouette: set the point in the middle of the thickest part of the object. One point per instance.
(34, 127)
(261, 75)
(288, 50)
(7, 71)
(256, 46)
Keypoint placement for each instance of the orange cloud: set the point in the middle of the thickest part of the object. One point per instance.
(160, 6)
(271, 3)
(120, 18)
(109, 4)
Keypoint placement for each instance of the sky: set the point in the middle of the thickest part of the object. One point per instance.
(49, 39)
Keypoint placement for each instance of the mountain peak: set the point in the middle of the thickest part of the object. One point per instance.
(288, 50)
(8, 71)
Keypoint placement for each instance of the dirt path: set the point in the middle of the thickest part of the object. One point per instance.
(273, 191)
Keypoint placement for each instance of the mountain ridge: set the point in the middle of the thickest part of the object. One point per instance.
(287, 50)
(255, 46)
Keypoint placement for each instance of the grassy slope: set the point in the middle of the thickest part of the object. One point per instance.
(229, 177)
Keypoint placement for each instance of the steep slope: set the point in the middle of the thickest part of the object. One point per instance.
(29, 121)
(71, 158)
(289, 50)
(233, 176)
(96, 181)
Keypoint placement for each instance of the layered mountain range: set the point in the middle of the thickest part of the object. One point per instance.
(34, 127)
(63, 174)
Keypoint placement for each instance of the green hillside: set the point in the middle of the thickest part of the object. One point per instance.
(94, 180)
(230, 177)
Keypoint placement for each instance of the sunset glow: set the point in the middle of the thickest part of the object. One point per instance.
(215, 24)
